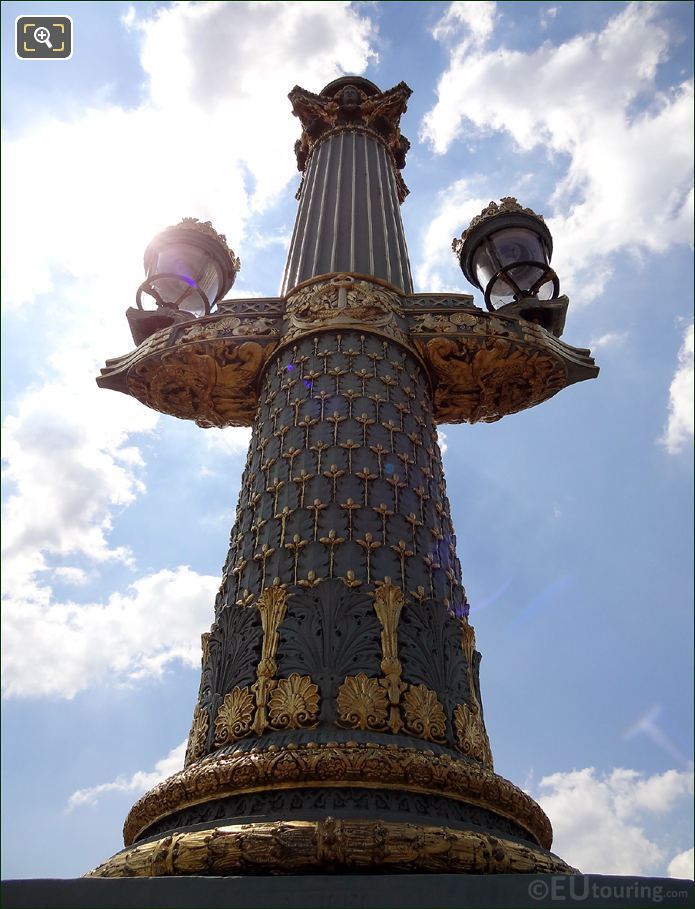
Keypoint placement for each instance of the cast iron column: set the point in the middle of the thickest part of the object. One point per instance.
(339, 721)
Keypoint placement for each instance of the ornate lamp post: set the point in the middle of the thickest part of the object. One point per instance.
(339, 722)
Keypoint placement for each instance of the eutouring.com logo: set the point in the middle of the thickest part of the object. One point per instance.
(43, 37)
(580, 887)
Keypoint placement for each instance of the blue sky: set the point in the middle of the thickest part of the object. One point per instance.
(574, 520)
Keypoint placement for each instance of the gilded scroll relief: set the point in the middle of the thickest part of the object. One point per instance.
(481, 379)
(233, 326)
(344, 301)
(210, 382)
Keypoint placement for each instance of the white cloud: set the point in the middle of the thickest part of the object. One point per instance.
(212, 138)
(455, 207)
(547, 16)
(128, 17)
(232, 440)
(139, 782)
(679, 429)
(475, 17)
(608, 339)
(70, 465)
(628, 183)
(233, 64)
(599, 819)
(683, 865)
(132, 635)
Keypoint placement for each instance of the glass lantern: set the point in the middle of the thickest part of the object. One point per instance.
(189, 268)
(506, 252)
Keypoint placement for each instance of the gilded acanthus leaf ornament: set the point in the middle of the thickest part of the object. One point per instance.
(294, 702)
(468, 644)
(471, 737)
(235, 716)
(362, 703)
(352, 109)
(424, 715)
(205, 648)
(197, 737)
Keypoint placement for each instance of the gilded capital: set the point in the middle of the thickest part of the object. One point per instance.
(351, 103)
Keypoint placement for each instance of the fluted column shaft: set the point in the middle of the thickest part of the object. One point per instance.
(349, 215)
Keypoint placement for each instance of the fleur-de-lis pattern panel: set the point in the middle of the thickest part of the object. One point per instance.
(344, 477)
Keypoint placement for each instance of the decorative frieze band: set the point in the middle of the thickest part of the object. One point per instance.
(332, 843)
(338, 764)
(385, 703)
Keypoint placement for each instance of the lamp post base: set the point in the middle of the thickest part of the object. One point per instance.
(330, 845)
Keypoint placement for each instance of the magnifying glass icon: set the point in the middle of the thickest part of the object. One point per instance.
(43, 36)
